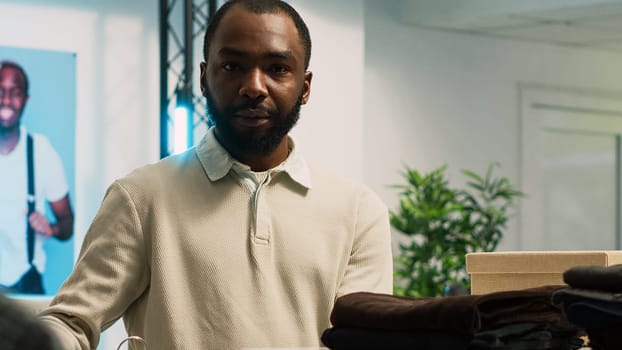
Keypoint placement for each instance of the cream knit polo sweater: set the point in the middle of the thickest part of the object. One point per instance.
(192, 257)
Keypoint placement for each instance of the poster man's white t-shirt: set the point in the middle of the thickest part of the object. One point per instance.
(50, 186)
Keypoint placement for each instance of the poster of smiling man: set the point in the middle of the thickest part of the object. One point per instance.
(37, 133)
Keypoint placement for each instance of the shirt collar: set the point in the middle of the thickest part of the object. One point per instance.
(217, 162)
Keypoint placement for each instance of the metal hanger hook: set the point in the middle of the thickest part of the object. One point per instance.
(133, 337)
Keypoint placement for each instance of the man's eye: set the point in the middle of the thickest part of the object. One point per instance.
(230, 67)
(16, 93)
(279, 69)
(13, 93)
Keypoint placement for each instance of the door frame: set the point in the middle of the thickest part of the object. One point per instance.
(567, 99)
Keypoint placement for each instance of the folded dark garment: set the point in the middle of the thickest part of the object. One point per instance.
(599, 313)
(595, 314)
(568, 295)
(604, 278)
(373, 339)
(605, 339)
(462, 315)
(586, 311)
(590, 309)
(527, 336)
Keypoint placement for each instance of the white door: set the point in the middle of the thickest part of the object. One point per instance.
(570, 170)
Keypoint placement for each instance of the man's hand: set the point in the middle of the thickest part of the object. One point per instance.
(40, 224)
(63, 229)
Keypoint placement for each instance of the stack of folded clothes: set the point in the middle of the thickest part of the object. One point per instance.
(524, 319)
(594, 302)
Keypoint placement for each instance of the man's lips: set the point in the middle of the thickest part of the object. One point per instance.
(251, 117)
(251, 122)
(252, 113)
(6, 113)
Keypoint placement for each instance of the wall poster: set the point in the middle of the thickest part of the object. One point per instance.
(37, 103)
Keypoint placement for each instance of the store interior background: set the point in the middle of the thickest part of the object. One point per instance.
(395, 83)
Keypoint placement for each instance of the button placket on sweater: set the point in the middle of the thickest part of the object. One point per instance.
(261, 214)
(260, 230)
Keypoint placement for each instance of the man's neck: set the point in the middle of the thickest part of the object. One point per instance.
(8, 140)
(260, 163)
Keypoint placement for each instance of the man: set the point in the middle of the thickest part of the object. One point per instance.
(22, 258)
(237, 242)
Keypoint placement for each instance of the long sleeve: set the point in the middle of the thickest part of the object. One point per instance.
(370, 265)
(110, 274)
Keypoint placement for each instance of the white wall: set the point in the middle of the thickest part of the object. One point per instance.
(434, 98)
(330, 131)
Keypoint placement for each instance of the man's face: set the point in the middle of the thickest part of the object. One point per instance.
(12, 97)
(254, 80)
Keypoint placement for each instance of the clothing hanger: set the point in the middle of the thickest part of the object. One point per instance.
(133, 337)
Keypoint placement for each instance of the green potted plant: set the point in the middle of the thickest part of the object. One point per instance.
(443, 224)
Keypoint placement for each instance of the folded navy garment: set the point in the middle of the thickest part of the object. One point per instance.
(595, 314)
(462, 315)
(604, 278)
(599, 313)
(527, 336)
(373, 339)
(590, 310)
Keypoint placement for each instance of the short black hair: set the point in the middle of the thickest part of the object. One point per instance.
(260, 7)
(11, 64)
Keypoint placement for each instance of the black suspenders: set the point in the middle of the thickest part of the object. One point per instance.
(30, 234)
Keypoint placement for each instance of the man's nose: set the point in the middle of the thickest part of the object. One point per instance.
(254, 85)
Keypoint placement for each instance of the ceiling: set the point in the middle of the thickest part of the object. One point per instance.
(595, 24)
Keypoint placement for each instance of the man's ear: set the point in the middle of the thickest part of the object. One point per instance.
(203, 79)
(306, 89)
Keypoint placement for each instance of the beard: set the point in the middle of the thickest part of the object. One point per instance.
(252, 143)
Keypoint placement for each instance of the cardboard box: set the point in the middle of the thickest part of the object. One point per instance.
(500, 271)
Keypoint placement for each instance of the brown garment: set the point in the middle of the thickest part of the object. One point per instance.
(463, 315)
